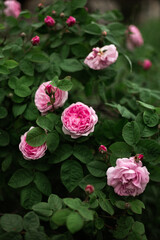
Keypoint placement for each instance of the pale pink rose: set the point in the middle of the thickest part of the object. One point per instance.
(128, 177)
(101, 58)
(78, 120)
(29, 152)
(134, 38)
(42, 99)
(13, 8)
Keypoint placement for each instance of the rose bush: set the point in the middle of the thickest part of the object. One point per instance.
(75, 104)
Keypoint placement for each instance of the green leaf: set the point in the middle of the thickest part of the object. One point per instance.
(136, 206)
(3, 112)
(120, 204)
(18, 109)
(52, 141)
(146, 105)
(82, 153)
(150, 118)
(25, 14)
(73, 203)
(71, 65)
(25, 80)
(65, 84)
(93, 29)
(11, 64)
(36, 137)
(99, 223)
(138, 227)
(121, 149)
(26, 67)
(74, 222)
(6, 163)
(31, 221)
(4, 70)
(97, 168)
(106, 205)
(10, 235)
(87, 214)
(12, 223)
(31, 113)
(117, 29)
(131, 133)
(98, 183)
(4, 138)
(63, 152)
(20, 178)
(71, 174)
(55, 203)
(43, 209)
(42, 183)
(78, 4)
(155, 174)
(22, 91)
(34, 235)
(59, 217)
(45, 123)
(30, 196)
(39, 58)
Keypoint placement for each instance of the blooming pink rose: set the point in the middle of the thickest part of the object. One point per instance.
(128, 177)
(49, 21)
(101, 58)
(71, 21)
(42, 99)
(78, 120)
(29, 152)
(134, 38)
(13, 8)
(89, 189)
(35, 40)
(102, 149)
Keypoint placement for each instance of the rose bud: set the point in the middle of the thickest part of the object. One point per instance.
(104, 33)
(35, 40)
(49, 21)
(89, 189)
(23, 35)
(71, 21)
(53, 12)
(139, 157)
(49, 89)
(62, 15)
(146, 64)
(102, 149)
(40, 5)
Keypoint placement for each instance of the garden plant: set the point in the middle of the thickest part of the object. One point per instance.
(79, 125)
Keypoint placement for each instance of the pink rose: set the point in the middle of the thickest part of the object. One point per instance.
(71, 21)
(78, 120)
(128, 177)
(35, 40)
(29, 152)
(146, 64)
(43, 100)
(134, 38)
(49, 21)
(13, 8)
(101, 58)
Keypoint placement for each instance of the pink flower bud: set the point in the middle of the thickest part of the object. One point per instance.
(89, 189)
(40, 5)
(104, 33)
(35, 40)
(49, 89)
(53, 12)
(49, 21)
(146, 64)
(140, 157)
(86, 8)
(71, 21)
(102, 149)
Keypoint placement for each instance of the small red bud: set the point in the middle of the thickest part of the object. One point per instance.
(102, 149)
(54, 12)
(71, 21)
(49, 21)
(139, 157)
(40, 5)
(49, 89)
(147, 64)
(89, 189)
(104, 33)
(35, 40)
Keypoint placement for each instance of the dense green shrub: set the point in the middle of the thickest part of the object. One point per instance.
(46, 198)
